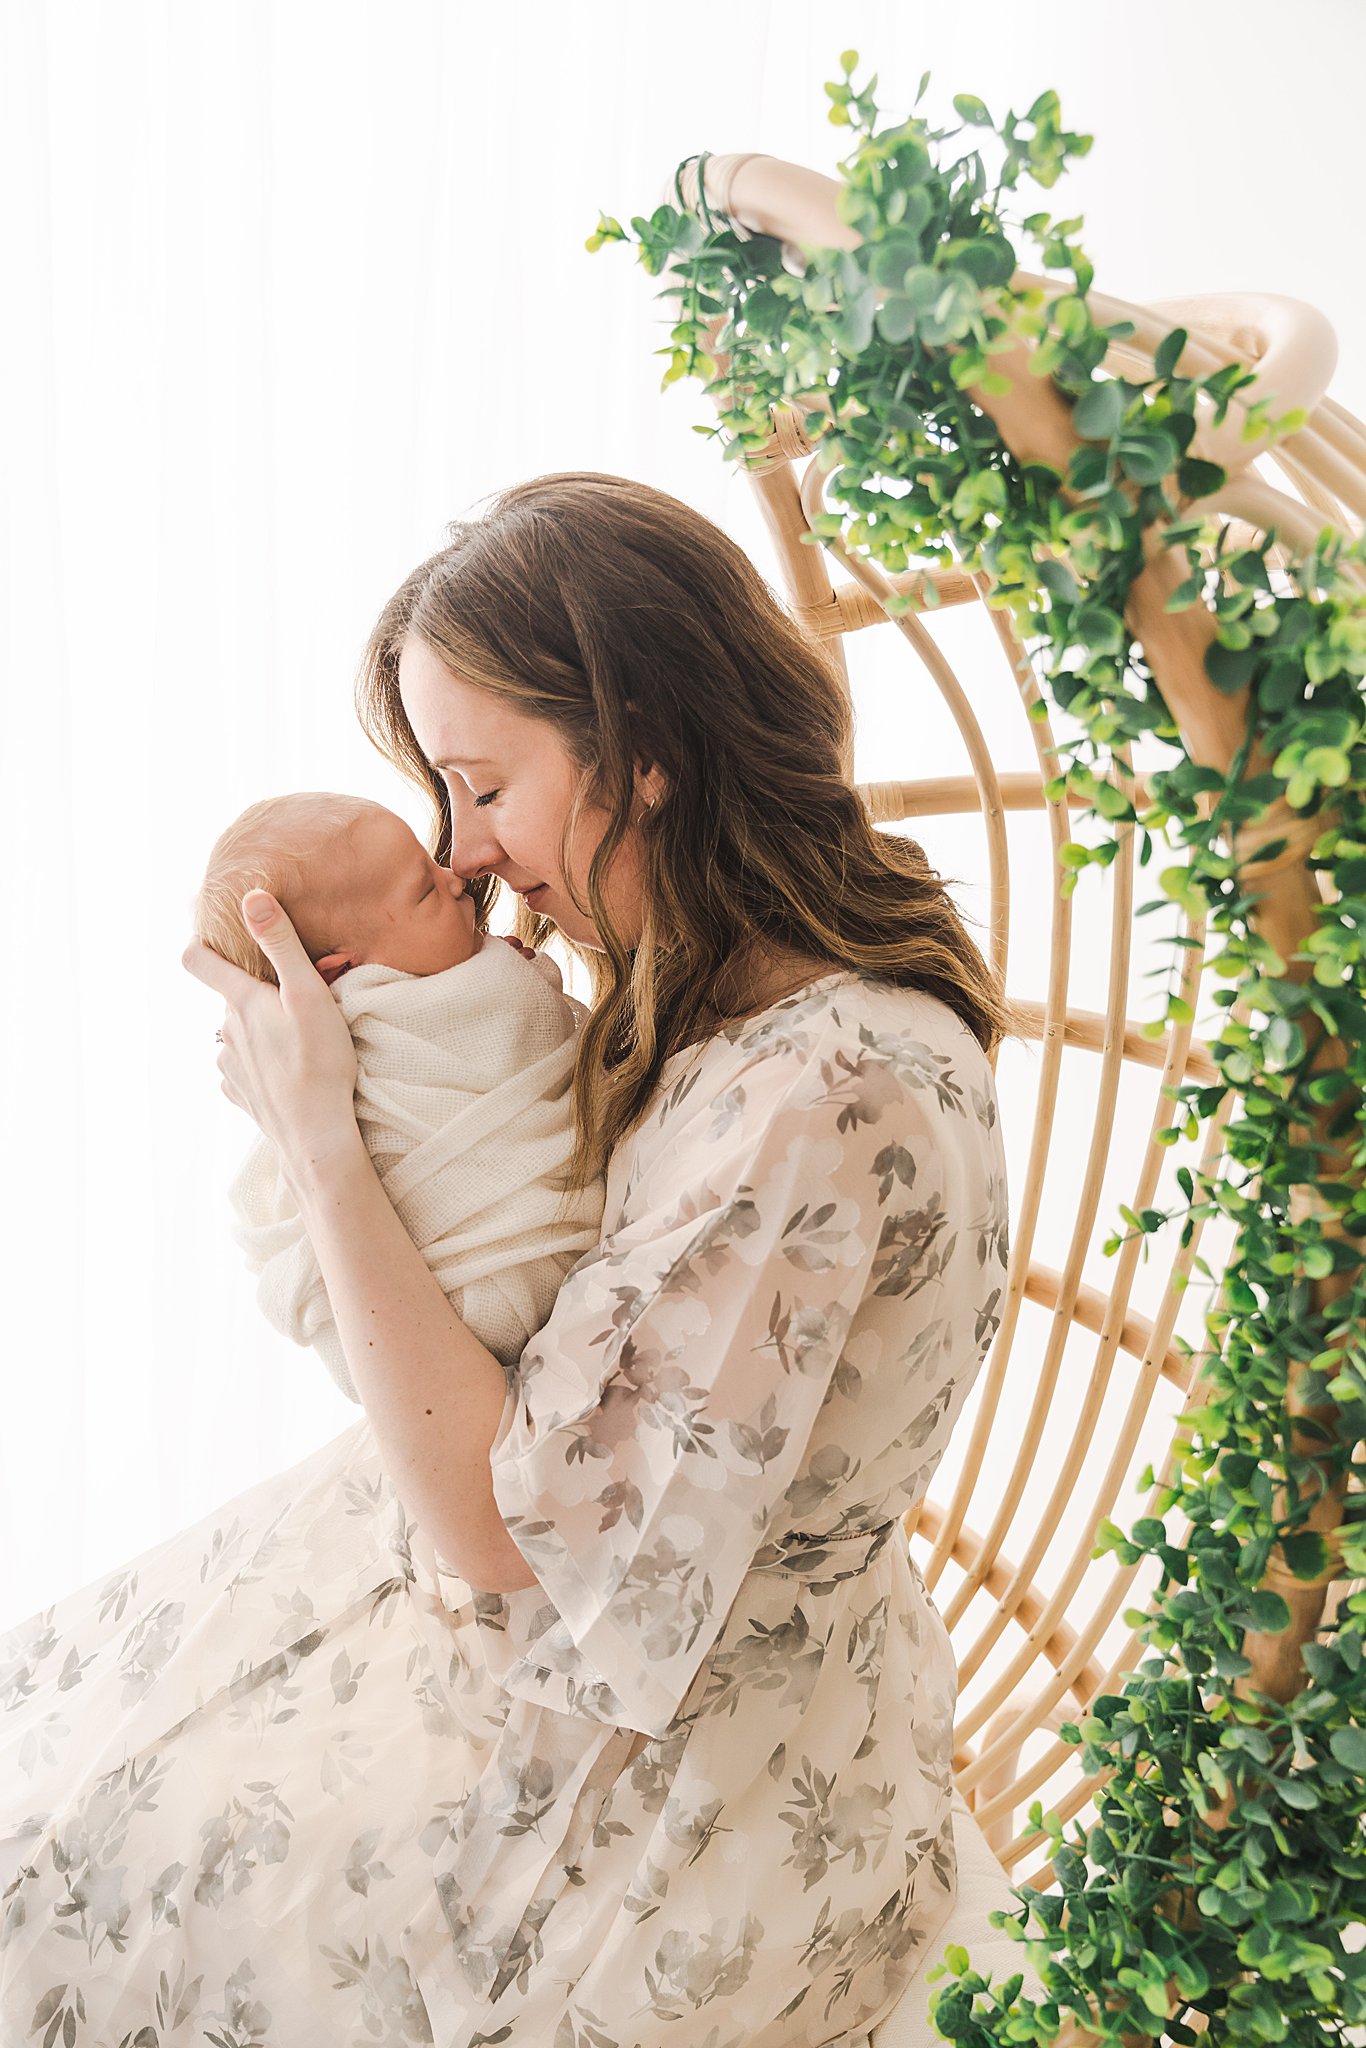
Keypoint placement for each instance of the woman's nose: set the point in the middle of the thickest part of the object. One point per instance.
(474, 846)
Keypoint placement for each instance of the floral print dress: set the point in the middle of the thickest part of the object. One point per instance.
(287, 1780)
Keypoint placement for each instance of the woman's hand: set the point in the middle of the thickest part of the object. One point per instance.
(287, 1056)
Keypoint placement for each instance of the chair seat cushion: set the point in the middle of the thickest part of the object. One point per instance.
(982, 1887)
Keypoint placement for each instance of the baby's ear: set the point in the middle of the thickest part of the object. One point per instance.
(332, 965)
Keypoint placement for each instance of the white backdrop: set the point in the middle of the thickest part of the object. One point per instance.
(287, 287)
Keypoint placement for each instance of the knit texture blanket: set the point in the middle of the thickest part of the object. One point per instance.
(463, 1099)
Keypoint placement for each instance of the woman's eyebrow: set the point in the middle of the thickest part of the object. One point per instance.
(462, 761)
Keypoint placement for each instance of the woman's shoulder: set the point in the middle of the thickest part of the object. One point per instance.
(847, 1053)
(839, 1022)
(844, 1004)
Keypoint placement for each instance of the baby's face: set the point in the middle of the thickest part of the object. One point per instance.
(383, 900)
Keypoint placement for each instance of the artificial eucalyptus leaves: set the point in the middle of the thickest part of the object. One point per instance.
(1226, 1858)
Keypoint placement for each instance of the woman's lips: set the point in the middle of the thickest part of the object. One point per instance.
(529, 896)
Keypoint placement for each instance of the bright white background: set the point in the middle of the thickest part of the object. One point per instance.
(287, 287)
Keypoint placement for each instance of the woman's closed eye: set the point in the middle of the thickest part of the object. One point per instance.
(487, 798)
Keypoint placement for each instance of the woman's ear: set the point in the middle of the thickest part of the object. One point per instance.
(650, 784)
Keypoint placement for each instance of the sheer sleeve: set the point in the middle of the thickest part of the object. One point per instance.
(656, 1424)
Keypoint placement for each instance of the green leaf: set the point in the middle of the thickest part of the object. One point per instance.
(1168, 352)
(1349, 1747)
(1088, 472)
(1111, 802)
(988, 261)
(1058, 579)
(1148, 455)
(1197, 479)
(1285, 1041)
(1264, 1611)
(1098, 412)
(970, 109)
(1231, 668)
(1306, 1553)
(1249, 568)
(897, 319)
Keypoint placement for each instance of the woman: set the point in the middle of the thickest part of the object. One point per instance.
(570, 1705)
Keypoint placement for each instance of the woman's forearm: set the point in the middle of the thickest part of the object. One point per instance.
(434, 1395)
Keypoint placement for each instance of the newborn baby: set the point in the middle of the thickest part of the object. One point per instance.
(465, 1047)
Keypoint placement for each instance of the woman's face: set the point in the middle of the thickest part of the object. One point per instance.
(511, 780)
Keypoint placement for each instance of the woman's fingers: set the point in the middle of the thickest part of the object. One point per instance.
(276, 937)
(286, 1055)
(280, 943)
(232, 983)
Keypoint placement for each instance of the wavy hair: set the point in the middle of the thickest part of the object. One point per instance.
(648, 637)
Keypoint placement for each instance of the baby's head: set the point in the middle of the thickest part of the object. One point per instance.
(353, 879)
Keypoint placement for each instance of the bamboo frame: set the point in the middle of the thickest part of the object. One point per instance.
(1294, 351)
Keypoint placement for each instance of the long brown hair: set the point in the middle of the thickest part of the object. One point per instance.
(648, 637)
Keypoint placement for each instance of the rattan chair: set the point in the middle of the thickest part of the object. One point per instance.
(1084, 1382)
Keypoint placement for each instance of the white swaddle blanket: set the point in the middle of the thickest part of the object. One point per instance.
(463, 1099)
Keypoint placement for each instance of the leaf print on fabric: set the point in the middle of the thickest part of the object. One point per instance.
(164, 1906)
(803, 1338)
(718, 1229)
(785, 1658)
(116, 1593)
(647, 1391)
(829, 1473)
(991, 1228)
(362, 1867)
(909, 1255)
(866, 1645)
(255, 1694)
(150, 1643)
(805, 1239)
(759, 1446)
(854, 1947)
(893, 1163)
(237, 1840)
(642, 1610)
(828, 1824)
(864, 1088)
(696, 1969)
(345, 1681)
(57, 2016)
(24, 1650)
(244, 2021)
(224, 1550)
(727, 1112)
(86, 1850)
(176, 2003)
(917, 1065)
(42, 1744)
(588, 1809)
(693, 1826)
(648, 1894)
(533, 1795)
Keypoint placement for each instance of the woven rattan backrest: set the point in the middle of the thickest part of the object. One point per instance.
(1094, 1357)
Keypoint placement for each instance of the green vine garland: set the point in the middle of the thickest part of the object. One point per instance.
(889, 336)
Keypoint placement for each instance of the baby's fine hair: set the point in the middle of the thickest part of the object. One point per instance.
(270, 846)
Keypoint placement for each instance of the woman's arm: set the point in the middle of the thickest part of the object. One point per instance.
(433, 1394)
